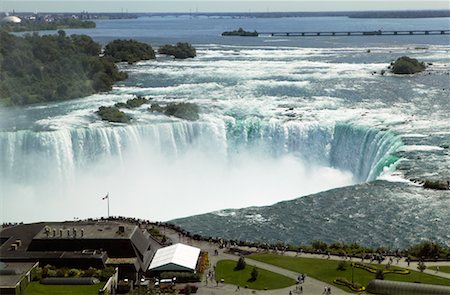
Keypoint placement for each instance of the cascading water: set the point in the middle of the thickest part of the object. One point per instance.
(29, 158)
(361, 150)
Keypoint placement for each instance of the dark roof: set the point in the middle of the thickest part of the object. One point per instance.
(12, 272)
(63, 241)
(91, 230)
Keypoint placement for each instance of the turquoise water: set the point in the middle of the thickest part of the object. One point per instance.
(280, 118)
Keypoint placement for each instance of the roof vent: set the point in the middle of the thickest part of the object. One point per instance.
(18, 242)
(82, 232)
(14, 247)
(121, 229)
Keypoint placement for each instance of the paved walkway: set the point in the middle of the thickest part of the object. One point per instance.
(310, 286)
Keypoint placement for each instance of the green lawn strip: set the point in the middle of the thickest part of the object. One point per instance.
(35, 288)
(266, 279)
(325, 270)
(443, 268)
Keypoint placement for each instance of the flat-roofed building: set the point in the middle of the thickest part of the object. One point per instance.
(81, 245)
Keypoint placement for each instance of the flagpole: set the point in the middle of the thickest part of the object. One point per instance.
(108, 205)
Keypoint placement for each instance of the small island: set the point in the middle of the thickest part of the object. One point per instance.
(133, 102)
(112, 114)
(181, 50)
(241, 32)
(405, 65)
(182, 110)
(130, 51)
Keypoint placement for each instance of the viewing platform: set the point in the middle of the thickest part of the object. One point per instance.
(357, 33)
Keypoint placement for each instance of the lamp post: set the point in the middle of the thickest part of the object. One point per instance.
(352, 275)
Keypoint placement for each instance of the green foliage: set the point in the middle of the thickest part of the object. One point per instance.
(254, 274)
(52, 67)
(154, 231)
(73, 273)
(112, 114)
(406, 65)
(241, 264)
(319, 245)
(427, 250)
(326, 270)
(31, 25)
(181, 50)
(130, 51)
(132, 103)
(342, 266)
(379, 275)
(36, 274)
(421, 266)
(182, 277)
(183, 110)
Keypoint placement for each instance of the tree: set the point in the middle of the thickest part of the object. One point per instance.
(241, 264)
(421, 266)
(254, 274)
(379, 275)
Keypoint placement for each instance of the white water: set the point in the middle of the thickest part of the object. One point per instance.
(168, 170)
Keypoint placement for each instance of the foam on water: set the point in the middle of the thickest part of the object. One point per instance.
(275, 123)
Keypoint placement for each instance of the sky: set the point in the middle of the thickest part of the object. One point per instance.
(214, 5)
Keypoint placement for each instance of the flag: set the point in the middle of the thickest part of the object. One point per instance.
(105, 197)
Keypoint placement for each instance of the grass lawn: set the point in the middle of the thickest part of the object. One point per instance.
(325, 270)
(266, 279)
(443, 268)
(35, 288)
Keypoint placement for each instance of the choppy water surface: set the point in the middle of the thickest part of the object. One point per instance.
(280, 118)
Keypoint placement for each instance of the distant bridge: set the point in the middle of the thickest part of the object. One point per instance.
(358, 33)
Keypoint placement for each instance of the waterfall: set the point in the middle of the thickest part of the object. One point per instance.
(25, 155)
(364, 151)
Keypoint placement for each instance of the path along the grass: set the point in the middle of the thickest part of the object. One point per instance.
(326, 270)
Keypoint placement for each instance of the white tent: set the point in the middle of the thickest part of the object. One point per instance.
(178, 257)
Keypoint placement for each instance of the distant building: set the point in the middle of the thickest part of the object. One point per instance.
(81, 245)
(11, 19)
(178, 257)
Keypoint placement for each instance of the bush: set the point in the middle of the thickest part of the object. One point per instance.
(379, 275)
(36, 274)
(74, 273)
(421, 266)
(254, 274)
(342, 266)
(181, 50)
(319, 245)
(241, 264)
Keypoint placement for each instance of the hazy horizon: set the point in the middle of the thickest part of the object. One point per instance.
(141, 6)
